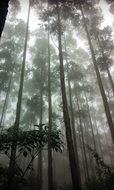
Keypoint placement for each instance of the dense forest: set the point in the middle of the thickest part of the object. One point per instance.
(56, 94)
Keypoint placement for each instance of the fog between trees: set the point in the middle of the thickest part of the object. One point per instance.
(57, 95)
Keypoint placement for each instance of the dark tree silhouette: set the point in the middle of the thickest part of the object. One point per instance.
(3, 13)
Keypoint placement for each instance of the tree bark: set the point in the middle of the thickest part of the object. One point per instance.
(72, 113)
(99, 140)
(41, 118)
(50, 166)
(73, 165)
(82, 137)
(82, 154)
(18, 109)
(6, 98)
(90, 121)
(104, 98)
(107, 69)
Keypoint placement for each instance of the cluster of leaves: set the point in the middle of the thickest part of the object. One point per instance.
(27, 141)
(104, 175)
(4, 178)
(102, 167)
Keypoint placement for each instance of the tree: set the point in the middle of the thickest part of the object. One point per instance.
(71, 110)
(10, 54)
(3, 12)
(105, 44)
(18, 110)
(105, 102)
(29, 143)
(5, 68)
(50, 165)
(72, 159)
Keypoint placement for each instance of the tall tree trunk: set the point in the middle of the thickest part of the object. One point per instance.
(73, 121)
(73, 165)
(91, 164)
(107, 69)
(107, 144)
(18, 109)
(82, 137)
(72, 112)
(3, 13)
(6, 98)
(50, 166)
(41, 118)
(82, 154)
(104, 98)
(40, 167)
(99, 140)
(90, 121)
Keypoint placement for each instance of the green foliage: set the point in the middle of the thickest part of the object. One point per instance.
(4, 178)
(104, 175)
(103, 66)
(27, 141)
(29, 144)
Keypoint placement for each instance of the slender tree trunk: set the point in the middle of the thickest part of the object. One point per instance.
(82, 137)
(109, 97)
(107, 144)
(90, 121)
(99, 140)
(73, 165)
(41, 118)
(40, 168)
(72, 113)
(82, 154)
(18, 110)
(107, 69)
(40, 171)
(73, 120)
(104, 98)
(3, 13)
(6, 98)
(50, 166)
(91, 164)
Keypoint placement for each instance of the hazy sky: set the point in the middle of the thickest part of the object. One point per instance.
(108, 17)
(23, 14)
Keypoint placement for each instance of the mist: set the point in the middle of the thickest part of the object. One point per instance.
(57, 95)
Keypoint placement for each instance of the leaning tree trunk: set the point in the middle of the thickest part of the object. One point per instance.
(104, 98)
(107, 69)
(18, 109)
(3, 13)
(50, 166)
(73, 164)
